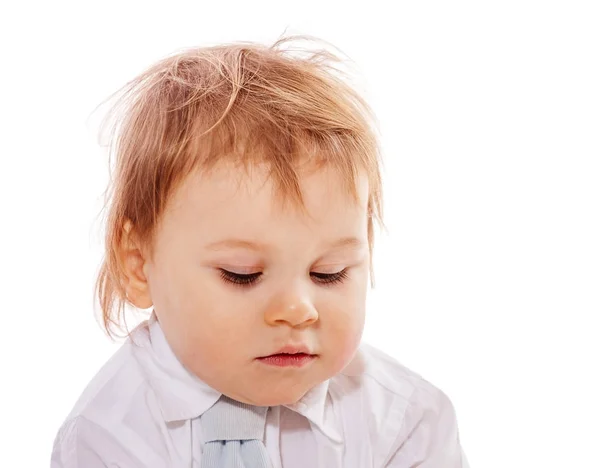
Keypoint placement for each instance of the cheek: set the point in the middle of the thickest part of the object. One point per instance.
(221, 323)
(344, 335)
(202, 320)
(214, 350)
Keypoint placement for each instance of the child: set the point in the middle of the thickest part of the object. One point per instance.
(246, 186)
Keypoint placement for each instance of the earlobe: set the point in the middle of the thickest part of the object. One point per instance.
(136, 282)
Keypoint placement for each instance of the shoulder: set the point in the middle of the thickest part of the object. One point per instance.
(380, 373)
(392, 397)
(112, 408)
(118, 380)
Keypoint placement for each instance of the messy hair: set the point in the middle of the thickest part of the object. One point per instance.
(239, 102)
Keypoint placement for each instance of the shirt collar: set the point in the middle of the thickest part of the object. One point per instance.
(182, 395)
(316, 406)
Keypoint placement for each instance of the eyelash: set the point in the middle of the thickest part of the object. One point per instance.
(248, 280)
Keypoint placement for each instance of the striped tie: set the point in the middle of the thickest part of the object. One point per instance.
(233, 435)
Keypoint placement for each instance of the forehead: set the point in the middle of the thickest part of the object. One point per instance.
(228, 197)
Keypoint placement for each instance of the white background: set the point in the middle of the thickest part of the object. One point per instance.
(487, 283)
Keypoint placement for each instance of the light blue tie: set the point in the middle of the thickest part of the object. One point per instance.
(233, 435)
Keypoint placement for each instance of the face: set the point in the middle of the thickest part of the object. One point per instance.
(236, 277)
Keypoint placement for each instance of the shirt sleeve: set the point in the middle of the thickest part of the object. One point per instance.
(80, 443)
(429, 437)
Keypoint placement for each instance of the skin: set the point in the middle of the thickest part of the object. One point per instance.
(218, 329)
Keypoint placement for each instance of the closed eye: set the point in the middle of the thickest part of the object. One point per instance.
(238, 279)
(252, 278)
(329, 278)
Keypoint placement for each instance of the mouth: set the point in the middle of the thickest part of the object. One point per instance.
(288, 360)
(289, 356)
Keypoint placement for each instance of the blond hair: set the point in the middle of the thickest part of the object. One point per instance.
(243, 102)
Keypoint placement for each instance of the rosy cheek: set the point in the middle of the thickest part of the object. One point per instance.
(348, 343)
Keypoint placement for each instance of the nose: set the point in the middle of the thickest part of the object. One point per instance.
(292, 308)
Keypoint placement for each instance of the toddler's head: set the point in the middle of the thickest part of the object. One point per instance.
(245, 189)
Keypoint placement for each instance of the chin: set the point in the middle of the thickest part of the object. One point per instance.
(289, 397)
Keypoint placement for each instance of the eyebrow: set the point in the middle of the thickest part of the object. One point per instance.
(345, 242)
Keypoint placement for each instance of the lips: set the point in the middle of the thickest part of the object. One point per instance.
(292, 349)
(290, 355)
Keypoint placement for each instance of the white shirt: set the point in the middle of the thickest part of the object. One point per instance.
(142, 410)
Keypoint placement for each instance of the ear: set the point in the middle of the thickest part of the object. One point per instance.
(132, 258)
